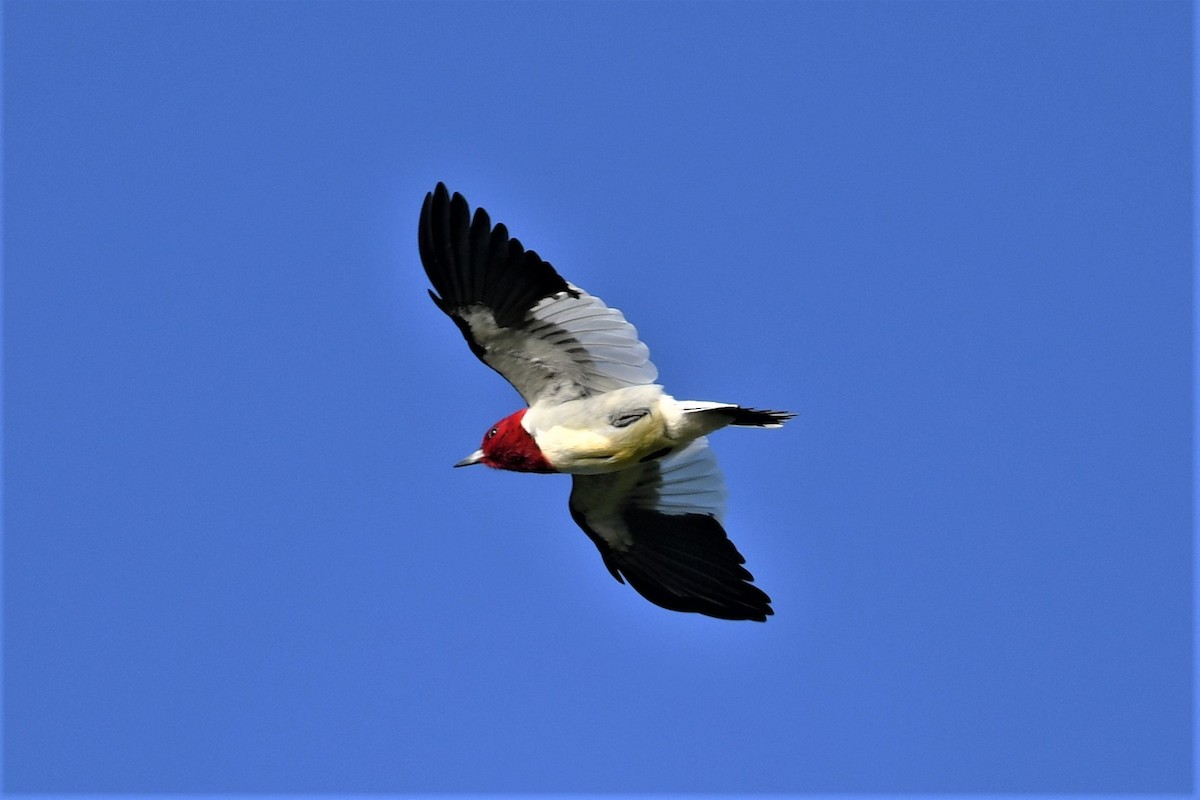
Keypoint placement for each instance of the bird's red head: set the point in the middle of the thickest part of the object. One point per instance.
(509, 446)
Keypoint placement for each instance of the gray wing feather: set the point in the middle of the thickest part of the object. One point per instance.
(688, 482)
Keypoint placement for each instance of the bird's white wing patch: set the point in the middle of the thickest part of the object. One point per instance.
(615, 354)
(576, 336)
(567, 347)
(687, 482)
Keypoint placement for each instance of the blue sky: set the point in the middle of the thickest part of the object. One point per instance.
(956, 238)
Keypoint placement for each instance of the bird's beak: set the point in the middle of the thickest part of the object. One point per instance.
(474, 458)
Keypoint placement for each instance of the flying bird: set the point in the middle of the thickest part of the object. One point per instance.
(646, 487)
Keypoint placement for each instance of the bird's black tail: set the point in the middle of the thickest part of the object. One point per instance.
(755, 417)
(718, 415)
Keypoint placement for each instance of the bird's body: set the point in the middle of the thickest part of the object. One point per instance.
(647, 490)
(606, 433)
(619, 429)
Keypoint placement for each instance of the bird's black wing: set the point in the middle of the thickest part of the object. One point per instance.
(551, 340)
(658, 527)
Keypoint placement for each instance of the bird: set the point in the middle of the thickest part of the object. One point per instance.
(646, 488)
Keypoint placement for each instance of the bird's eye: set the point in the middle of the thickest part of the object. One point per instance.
(492, 433)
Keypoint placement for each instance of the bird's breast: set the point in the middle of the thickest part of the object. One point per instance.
(604, 447)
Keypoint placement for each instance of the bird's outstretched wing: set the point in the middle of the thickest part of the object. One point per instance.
(658, 526)
(549, 339)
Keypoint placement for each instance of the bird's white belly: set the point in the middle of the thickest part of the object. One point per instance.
(587, 451)
(608, 432)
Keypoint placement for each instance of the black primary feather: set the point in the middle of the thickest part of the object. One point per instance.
(683, 562)
(471, 263)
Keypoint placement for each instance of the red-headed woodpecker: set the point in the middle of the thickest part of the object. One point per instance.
(647, 490)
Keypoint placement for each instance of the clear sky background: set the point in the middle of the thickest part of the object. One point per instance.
(955, 237)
